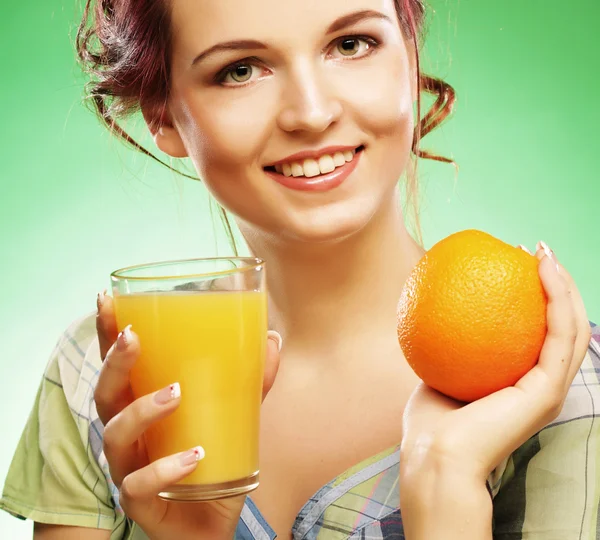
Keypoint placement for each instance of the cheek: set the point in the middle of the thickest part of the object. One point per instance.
(225, 133)
(225, 138)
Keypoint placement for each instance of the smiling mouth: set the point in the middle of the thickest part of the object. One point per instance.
(311, 168)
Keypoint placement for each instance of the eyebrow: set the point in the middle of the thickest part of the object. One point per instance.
(353, 18)
(246, 44)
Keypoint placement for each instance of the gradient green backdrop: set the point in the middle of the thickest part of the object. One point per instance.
(75, 205)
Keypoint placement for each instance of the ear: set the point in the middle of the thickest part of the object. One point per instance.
(165, 134)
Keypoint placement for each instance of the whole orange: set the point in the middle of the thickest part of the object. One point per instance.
(472, 315)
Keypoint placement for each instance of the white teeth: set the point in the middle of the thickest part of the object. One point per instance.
(297, 169)
(326, 164)
(338, 159)
(311, 168)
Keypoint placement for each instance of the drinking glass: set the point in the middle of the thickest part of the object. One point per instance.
(201, 323)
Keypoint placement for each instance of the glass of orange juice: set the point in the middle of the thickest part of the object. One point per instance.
(201, 323)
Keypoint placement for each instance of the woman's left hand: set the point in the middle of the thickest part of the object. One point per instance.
(469, 441)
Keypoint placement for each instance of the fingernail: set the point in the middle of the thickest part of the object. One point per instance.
(542, 245)
(553, 265)
(191, 456)
(168, 394)
(124, 338)
(100, 300)
(548, 253)
(276, 337)
(524, 248)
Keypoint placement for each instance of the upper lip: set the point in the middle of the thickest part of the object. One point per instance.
(312, 154)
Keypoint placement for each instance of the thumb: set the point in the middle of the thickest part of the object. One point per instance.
(274, 343)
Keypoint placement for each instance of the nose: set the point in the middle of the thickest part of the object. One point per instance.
(309, 101)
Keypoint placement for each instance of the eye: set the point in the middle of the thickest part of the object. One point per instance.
(242, 73)
(356, 46)
(239, 74)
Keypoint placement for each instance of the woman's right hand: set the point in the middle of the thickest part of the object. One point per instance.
(125, 421)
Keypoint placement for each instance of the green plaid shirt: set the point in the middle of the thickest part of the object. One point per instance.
(549, 489)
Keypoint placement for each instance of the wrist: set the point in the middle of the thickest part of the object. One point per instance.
(437, 504)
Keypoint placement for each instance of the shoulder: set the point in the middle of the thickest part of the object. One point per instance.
(74, 364)
(75, 348)
(59, 474)
(582, 405)
(552, 482)
(66, 403)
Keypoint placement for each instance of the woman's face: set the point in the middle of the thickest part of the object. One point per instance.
(255, 82)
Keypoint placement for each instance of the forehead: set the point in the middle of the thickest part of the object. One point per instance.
(199, 23)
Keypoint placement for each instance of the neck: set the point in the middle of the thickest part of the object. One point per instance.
(325, 295)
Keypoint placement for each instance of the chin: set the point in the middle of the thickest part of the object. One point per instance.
(329, 224)
(329, 217)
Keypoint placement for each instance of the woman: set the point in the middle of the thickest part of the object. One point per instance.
(264, 97)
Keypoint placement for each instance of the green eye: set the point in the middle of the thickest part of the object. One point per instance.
(349, 46)
(241, 73)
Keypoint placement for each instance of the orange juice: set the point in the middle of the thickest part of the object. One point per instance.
(213, 344)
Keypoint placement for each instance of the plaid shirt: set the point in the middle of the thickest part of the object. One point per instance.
(549, 489)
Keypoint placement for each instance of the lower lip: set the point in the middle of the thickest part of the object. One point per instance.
(323, 182)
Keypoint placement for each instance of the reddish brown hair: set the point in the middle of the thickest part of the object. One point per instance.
(125, 47)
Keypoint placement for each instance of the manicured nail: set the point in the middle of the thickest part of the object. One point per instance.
(542, 245)
(548, 252)
(124, 338)
(100, 300)
(276, 337)
(524, 248)
(191, 456)
(167, 394)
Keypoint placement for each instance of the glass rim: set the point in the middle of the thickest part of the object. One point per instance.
(121, 273)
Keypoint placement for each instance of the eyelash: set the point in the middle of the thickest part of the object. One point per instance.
(220, 77)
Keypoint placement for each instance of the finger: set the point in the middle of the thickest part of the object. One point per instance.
(537, 398)
(524, 248)
(274, 343)
(106, 323)
(558, 348)
(584, 331)
(494, 414)
(580, 313)
(146, 483)
(123, 431)
(113, 392)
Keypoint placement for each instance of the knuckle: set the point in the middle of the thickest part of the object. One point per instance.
(101, 401)
(550, 396)
(159, 470)
(446, 443)
(553, 403)
(137, 413)
(100, 396)
(99, 325)
(108, 438)
(572, 333)
(126, 492)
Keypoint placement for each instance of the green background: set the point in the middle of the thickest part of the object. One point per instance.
(74, 204)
